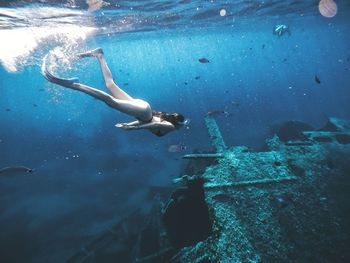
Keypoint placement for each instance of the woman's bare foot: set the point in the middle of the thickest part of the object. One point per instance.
(91, 53)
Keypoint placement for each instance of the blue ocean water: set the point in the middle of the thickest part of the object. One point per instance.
(89, 174)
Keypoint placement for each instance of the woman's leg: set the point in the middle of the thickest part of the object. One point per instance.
(116, 92)
(137, 108)
(73, 83)
(97, 94)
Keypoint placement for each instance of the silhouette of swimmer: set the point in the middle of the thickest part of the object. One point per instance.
(280, 30)
(157, 122)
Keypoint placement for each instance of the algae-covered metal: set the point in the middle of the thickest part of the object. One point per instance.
(281, 205)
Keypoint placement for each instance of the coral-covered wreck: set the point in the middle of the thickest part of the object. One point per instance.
(289, 203)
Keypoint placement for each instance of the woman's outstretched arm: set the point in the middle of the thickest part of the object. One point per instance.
(149, 126)
(129, 124)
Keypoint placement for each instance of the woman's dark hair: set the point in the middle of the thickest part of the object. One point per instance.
(175, 118)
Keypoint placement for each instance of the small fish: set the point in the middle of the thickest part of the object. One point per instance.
(279, 30)
(197, 77)
(176, 148)
(263, 46)
(318, 81)
(15, 170)
(217, 112)
(185, 82)
(203, 60)
(126, 84)
(8, 109)
(35, 105)
(235, 103)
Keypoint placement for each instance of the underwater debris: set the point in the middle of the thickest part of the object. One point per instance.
(317, 79)
(223, 198)
(203, 60)
(152, 246)
(295, 169)
(186, 216)
(15, 170)
(276, 163)
(322, 139)
(290, 130)
(251, 183)
(203, 156)
(299, 143)
(336, 125)
(179, 179)
(115, 242)
(215, 135)
(258, 200)
(343, 138)
(328, 137)
(243, 208)
(335, 130)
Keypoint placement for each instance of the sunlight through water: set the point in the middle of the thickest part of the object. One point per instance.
(38, 26)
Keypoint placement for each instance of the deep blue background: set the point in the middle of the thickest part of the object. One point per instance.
(258, 78)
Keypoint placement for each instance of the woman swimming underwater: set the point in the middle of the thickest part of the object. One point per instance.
(159, 123)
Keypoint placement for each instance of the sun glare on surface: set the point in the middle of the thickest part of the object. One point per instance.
(40, 26)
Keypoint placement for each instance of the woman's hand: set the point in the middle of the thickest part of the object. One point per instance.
(126, 126)
(120, 125)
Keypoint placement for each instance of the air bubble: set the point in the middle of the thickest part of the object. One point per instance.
(222, 12)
